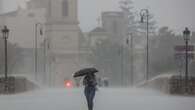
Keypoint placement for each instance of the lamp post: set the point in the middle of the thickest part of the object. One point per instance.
(144, 14)
(130, 37)
(5, 32)
(186, 35)
(40, 32)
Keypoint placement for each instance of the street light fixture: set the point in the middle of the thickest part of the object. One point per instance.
(186, 35)
(144, 14)
(5, 32)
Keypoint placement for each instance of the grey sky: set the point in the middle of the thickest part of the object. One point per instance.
(173, 13)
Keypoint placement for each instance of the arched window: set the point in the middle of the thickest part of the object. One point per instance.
(65, 8)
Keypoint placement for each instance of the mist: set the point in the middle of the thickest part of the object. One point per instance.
(111, 99)
(180, 12)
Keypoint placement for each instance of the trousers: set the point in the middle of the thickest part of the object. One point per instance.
(90, 94)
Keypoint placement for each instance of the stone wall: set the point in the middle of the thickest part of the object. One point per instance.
(160, 83)
(171, 84)
(179, 85)
(15, 85)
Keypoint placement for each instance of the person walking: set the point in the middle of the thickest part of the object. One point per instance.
(90, 84)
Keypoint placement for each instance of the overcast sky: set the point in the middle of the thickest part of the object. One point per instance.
(176, 14)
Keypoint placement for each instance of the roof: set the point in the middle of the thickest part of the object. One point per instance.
(98, 29)
(113, 13)
(12, 13)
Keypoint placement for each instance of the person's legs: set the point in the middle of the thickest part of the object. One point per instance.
(87, 95)
(91, 97)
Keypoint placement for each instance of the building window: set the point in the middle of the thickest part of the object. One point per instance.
(65, 7)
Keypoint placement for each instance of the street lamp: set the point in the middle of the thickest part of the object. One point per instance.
(40, 32)
(144, 14)
(5, 32)
(130, 37)
(186, 35)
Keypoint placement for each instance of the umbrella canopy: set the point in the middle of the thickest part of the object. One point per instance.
(85, 71)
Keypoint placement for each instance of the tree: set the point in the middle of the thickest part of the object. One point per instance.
(127, 9)
(151, 24)
(162, 51)
(133, 19)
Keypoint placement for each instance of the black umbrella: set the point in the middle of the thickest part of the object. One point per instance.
(85, 71)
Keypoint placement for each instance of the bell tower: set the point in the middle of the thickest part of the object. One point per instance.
(62, 25)
(62, 34)
(62, 11)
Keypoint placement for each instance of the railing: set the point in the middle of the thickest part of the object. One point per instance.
(178, 85)
(7, 86)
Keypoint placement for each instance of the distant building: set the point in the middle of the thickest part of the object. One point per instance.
(96, 35)
(62, 33)
(115, 23)
(1, 6)
(57, 21)
(22, 25)
(114, 26)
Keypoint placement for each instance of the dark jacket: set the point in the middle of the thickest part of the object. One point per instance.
(89, 80)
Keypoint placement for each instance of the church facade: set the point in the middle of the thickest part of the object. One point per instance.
(62, 36)
(58, 22)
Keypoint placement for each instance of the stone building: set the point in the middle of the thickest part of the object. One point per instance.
(116, 24)
(56, 21)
